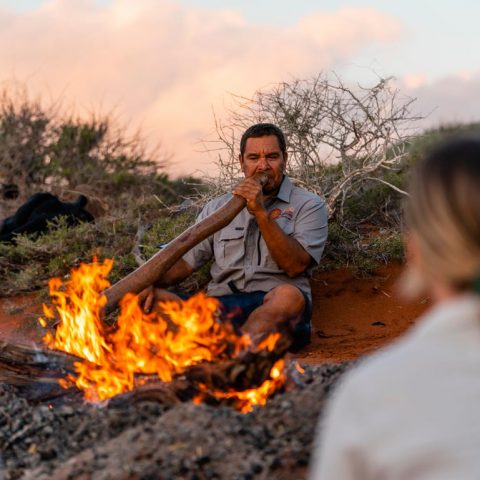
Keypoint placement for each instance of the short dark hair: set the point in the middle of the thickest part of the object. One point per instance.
(263, 130)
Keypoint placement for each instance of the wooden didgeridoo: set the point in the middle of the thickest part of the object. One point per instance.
(164, 259)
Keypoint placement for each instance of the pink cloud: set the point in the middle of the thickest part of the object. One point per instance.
(452, 99)
(166, 66)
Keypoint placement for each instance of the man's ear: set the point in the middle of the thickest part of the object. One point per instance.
(240, 159)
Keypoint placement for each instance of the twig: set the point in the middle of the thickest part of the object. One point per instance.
(141, 229)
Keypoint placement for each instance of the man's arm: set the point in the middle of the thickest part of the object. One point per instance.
(178, 272)
(287, 252)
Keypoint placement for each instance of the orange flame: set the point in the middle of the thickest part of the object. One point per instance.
(245, 400)
(164, 345)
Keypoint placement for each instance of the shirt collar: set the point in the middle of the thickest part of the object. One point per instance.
(285, 190)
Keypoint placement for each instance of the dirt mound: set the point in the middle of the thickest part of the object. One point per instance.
(148, 440)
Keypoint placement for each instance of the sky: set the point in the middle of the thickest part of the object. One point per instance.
(164, 66)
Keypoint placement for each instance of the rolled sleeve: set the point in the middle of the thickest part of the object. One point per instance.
(311, 227)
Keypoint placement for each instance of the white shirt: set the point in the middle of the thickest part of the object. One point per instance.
(411, 411)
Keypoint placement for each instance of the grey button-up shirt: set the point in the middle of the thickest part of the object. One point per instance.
(240, 253)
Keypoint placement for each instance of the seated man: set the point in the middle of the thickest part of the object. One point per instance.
(264, 257)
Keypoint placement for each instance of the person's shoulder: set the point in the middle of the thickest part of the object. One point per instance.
(217, 202)
(302, 195)
(401, 360)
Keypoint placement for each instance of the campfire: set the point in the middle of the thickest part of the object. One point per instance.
(147, 371)
(184, 345)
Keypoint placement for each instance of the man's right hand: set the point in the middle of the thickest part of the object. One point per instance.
(251, 190)
(146, 298)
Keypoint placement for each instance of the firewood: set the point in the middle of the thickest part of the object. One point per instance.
(24, 364)
(35, 371)
(171, 393)
(248, 370)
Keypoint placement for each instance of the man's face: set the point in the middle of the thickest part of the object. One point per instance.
(263, 154)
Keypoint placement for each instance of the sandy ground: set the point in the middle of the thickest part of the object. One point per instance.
(18, 319)
(352, 316)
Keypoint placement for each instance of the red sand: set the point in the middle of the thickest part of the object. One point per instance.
(352, 316)
(19, 319)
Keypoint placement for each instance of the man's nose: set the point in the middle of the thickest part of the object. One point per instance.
(263, 163)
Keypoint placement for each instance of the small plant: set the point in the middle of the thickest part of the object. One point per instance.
(363, 250)
(31, 261)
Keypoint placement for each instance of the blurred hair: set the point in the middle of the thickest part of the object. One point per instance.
(443, 213)
(263, 130)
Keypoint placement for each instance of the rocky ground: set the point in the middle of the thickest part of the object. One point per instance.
(353, 316)
(151, 441)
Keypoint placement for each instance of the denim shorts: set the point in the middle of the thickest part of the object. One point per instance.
(237, 307)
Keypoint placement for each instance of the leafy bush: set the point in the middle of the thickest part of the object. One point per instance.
(28, 264)
(32, 261)
(41, 150)
(363, 250)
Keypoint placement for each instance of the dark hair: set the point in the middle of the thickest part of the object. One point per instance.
(263, 130)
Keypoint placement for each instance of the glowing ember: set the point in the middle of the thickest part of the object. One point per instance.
(245, 399)
(163, 344)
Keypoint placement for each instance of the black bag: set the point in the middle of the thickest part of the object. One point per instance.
(34, 214)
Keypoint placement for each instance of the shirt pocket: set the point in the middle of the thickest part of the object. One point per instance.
(230, 247)
(266, 260)
(286, 224)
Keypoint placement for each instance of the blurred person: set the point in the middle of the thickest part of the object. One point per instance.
(412, 410)
(263, 259)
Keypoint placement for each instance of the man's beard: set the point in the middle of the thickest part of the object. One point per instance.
(270, 189)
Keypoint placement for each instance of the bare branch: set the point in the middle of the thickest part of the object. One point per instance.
(338, 136)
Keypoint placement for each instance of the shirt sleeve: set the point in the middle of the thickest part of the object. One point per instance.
(311, 227)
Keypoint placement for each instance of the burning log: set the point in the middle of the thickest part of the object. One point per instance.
(35, 370)
(248, 370)
(163, 260)
(214, 382)
(22, 364)
(172, 393)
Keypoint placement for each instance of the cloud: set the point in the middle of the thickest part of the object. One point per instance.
(451, 99)
(166, 66)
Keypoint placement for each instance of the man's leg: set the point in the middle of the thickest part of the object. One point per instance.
(281, 310)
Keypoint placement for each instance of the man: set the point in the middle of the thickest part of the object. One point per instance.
(264, 257)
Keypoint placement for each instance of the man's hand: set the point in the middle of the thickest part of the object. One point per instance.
(146, 298)
(251, 190)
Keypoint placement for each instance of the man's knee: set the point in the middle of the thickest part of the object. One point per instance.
(286, 297)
